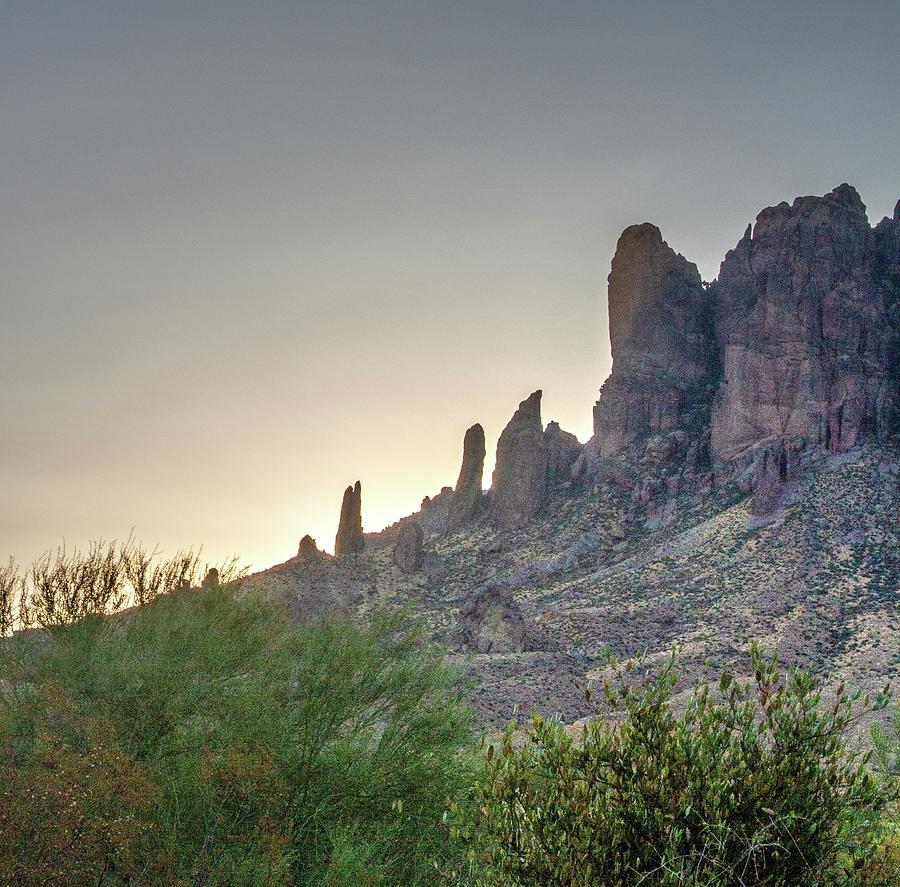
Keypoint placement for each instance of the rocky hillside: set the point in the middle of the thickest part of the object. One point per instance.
(741, 483)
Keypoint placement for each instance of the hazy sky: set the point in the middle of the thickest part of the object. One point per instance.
(251, 252)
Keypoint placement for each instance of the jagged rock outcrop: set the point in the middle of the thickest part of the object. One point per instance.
(562, 449)
(803, 321)
(350, 538)
(662, 340)
(407, 555)
(434, 512)
(468, 496)
(307, 550)
(491, 621)
(519, 484)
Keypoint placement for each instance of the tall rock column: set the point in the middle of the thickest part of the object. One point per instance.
(803, 321)
(467, 498)
(519, 485)
(350, 538)
(662, 340)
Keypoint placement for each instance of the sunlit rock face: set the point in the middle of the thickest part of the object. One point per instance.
(807, 329)
(663, 345)
(468, 495)
(519, 485)
(350, 538)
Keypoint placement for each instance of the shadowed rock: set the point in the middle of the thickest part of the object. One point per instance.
(768, 485)
(562, 449)
(408, 547)
(662, 342)
(211, 579)
(434, 512)
(468, 496)
(350, 539)
(519, 487)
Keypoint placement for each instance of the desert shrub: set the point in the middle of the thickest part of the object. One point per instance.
(885, 868)
(11, 592)
(751, 783)
(65, 585)
(259, 753)
(73, 807)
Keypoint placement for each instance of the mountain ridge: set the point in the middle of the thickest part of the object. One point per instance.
(757, 408)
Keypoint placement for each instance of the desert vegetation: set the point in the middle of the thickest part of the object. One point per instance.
(749, 783)
(202, 738)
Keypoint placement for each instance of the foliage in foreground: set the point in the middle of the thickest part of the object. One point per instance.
(62, 586)
(752, 784)
(203, 740)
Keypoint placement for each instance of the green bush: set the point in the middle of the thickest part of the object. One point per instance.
(752, 783)
(253, 752)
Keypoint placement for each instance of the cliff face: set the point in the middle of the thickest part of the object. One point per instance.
(662, 339)
(803, 329)
(793, 350)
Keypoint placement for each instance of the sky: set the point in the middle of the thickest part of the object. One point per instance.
(252, 252)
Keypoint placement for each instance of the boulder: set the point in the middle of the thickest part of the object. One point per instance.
(519, 485)
(491, 621)
(407, 554)
(350, 538)
(468, 496)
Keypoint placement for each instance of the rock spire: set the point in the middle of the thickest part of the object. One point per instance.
(350, 539)
(519, 486)
(662, 341)
(468, 496)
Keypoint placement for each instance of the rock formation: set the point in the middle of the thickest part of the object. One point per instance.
(407, 554)
(791, 352)
(491, 621)
(803, 326)
(434, 512)
(350, 537)
(308, 550)
(211, 579)
(519, 486)
(562, 448)
(468, 495)
(662, 340)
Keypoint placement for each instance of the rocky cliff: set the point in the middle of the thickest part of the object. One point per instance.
(803, 328)
(662, 340)
(741, 484)
(792, 352)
